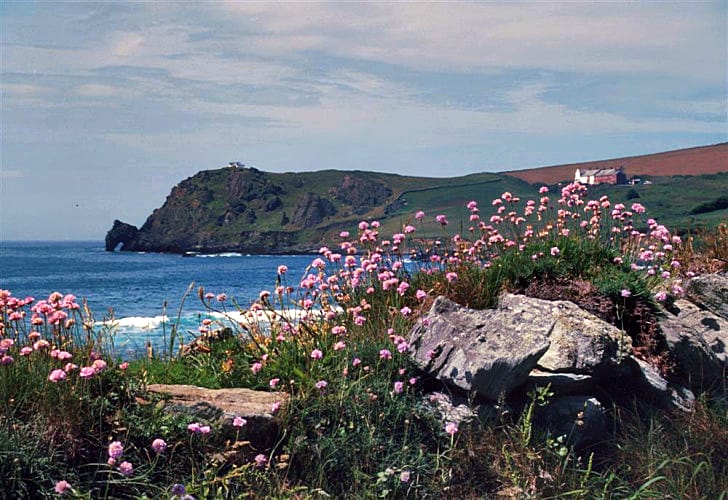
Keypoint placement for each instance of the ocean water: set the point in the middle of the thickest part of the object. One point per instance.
(135, 286)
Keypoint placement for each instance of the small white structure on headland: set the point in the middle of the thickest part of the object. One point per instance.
(600, 176)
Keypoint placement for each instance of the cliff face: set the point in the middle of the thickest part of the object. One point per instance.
(249, 211)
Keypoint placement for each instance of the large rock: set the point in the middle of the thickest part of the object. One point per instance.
(562, 384)
(120, 233)
(652, 387)
(490, 351)
(221, 406)
(698, 340)
(710, 291)
(577, 421)
(580, 341)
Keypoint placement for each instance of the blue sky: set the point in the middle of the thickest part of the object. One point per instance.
(106, 106)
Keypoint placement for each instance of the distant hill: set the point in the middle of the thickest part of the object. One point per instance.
(243, 209)
(690, 161)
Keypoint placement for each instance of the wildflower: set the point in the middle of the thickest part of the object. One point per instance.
(413, 380)
(555, 251)
(126, 468)
(221, 297)
(420, 215)
(626, 293)
(70, 367)
(41, 344)
(87, 372)
(116, 449)
(317, 354)
(344, 234)
(159, 445)
(451, 277)
(451, 428)
(239, 422)
(57, 375)
(282, 269)
(6, 360)
(26, 351)
(405, 311)
(441, 219)
(274, 382)
(404, 476)
(321, 384)
(398, 387)
(99, 365)
(179, 489)
(339, 346)
(123, 366)
(543, 189)
(205, 429)
(420, 294)
(260, 460)
(385, 354)
(256, 367)
(194, 427)
(275, 407)
(356, 362)
(661, 296)
(62, 486)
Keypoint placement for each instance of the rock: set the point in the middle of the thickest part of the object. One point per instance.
(580, 341)
(651, 386)
(490, 351)
(311, 210)
(698, 340)
(561, 384)
(220, 406)
(361, 194)
(710, 292)
(120, 233)
(450, 409)
(581, 421)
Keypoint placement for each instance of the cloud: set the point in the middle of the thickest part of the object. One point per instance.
(9, 173)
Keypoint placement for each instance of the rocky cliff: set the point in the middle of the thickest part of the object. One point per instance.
(236, 209)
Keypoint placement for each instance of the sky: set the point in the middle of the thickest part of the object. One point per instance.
(105, 106)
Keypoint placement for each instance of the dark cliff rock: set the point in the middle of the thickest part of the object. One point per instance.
(311, 210)
(361, 194)
(120, 233)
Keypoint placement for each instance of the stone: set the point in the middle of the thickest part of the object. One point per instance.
(580, 341)
(652, 387)
(698, 340)
(710, 291)
(490, 352)
(120, 233)
(221, 406)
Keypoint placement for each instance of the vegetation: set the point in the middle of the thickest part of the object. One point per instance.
(358, 422)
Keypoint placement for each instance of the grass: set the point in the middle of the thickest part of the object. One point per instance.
(359, 422)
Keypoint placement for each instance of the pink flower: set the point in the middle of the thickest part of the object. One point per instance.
(126, 468)
(420, 215)
(441, 219)
(451, 277)
(239, 422)
(260, 460)
(70, 367)
(339, 346)
(420, 294)
(385, 354)
(57, 375)
(205, 429)
(451, 428)
(274, 382)
(87, 372)
(256, 367)
(398, 387)
(123, 366)
(317, 354)
(626, 293)
(405, 311)
(321, 384)
(62, 486)
(275, 407)
(405, 476)
(282, 269)
(356, 362)
(661, 296)
(221, 297)
(6, 360)
(555, 251)
(116, 449)
(194, 427)
(99, 365)
(159, 445)
(25, 351)
(543, 189)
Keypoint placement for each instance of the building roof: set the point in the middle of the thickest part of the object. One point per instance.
(599, 172)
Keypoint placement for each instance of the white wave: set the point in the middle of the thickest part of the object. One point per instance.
(136, 322)
(224, 254)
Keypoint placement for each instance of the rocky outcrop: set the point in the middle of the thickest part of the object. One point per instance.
(311, 210)
(710, 292)
(361, 194)
(490, 352)
(121, 233)
(648, 383)
(698, 340)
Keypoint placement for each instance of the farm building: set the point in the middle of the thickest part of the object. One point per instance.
(600, 176)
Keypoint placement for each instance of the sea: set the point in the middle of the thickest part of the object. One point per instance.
(138, 297)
